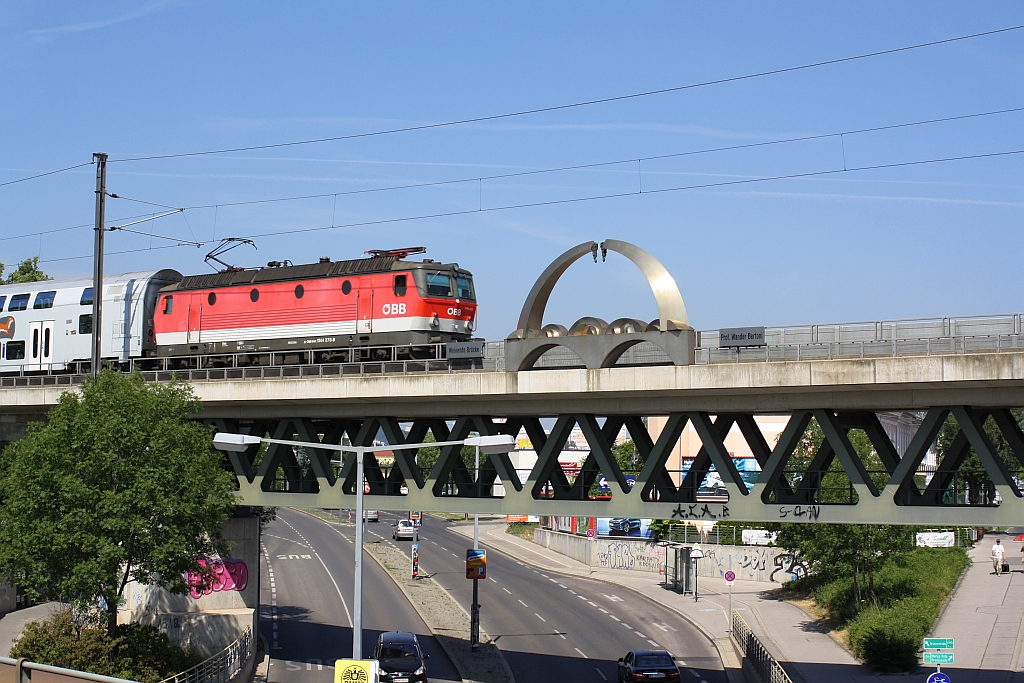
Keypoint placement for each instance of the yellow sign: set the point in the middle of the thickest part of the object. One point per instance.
(355, 671)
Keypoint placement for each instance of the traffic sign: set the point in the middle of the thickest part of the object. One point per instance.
(938, 643)
(938, 657)
(476, 564)
(355, 670)
(730, 576)
(938, 677)
(591, 533)
(415, 515)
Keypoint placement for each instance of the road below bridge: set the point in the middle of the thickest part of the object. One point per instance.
(551, 628)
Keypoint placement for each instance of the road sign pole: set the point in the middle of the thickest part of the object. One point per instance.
(729, 617)
(357, 600)
(474, 620)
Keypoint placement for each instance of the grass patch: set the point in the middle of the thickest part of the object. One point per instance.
(521, 529)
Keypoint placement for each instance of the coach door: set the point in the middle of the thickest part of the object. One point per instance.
(40, 345)
(364, 307)
(195, 321)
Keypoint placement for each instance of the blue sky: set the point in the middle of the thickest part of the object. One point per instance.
(137, 79)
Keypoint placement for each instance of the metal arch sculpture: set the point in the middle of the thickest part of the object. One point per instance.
(671, 309)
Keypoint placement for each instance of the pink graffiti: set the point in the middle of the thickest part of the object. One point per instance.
(225, 575)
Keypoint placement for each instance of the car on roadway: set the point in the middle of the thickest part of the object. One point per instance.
(403, 530)
(647, 665)
(400, 658)
(371, 515)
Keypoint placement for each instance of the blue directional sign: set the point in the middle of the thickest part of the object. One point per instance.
(938, 677)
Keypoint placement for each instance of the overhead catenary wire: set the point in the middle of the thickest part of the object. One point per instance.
(43, 175)
(574, 105)
(613, 195)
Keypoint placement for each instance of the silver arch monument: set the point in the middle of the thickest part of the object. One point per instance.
(595, 342)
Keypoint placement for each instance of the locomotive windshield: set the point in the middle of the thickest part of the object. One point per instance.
(439, 284)
(465, 287)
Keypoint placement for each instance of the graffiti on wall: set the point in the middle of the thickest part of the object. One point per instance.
(754, 563)
(222, 575)
(634, 555)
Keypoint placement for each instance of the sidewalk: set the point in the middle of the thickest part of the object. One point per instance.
(808, 654)
(985, 618)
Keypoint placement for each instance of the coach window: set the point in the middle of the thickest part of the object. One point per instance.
(299, 291)
(15, 350)
(346, 287)
(439, 284)
(211, 298)
(399, 285)
(3, 300)
(254, 295)
(85, 323)
(168, 304)
(19, 302)
(44, 300)
(86, 297)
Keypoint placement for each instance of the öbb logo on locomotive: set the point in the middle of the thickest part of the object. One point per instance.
(342, 311)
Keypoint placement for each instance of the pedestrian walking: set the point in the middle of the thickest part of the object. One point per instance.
(997, 555)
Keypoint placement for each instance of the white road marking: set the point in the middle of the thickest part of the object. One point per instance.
(601, 675)
(614, 617)
(602, 609)
(331, 576)
(613, 598)
(695, 674)
(562, 585)
(660, 626)
(640, 634)
(653, 643)
(592, 603)
(539, 617)
(560, 635)
(524, 604)
(506, 590)
(626, 625)
(570, 590)
(581, 652)
(491, 579)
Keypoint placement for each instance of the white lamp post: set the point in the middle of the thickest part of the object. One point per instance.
(238, 443)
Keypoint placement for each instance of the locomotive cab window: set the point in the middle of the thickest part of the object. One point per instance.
(44, 300)
(399, 285)
(15, 350)
(465, 287)
(19, 302)
(299, 291)
(439, 284)
(168, 304)
(86, 297)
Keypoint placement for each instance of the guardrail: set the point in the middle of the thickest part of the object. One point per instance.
(21, 670)
(221, 667)
(755, 655)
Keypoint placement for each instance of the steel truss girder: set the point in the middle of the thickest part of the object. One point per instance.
(311, 479)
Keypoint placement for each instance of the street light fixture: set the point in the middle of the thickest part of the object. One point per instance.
(239, 443)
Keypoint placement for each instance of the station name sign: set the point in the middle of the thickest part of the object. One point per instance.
(732, 337)
(467, 349)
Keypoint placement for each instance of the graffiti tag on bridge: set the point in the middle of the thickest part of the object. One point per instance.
(224, 575)
(811, 512)
(698, 511)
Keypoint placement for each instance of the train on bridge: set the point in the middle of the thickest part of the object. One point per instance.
(384, 307)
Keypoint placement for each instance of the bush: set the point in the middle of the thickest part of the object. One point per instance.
(75, 641)
(888, 639)
(838, 599)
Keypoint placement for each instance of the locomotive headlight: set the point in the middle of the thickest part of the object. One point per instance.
(469, 326)
(436, 322)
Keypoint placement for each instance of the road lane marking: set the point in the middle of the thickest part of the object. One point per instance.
(539, 617)
(639, 634)
(545, 576)
(581, 597)
(613, 598)
(570, 590)
(489, 578)
(524, 604)
(581, 652)
(506, 590)
(602, 609)
(562, 585)
(560, 635)
(329, 574)
(653, 643)
(592, 603)
(660, 626)
(626, 625)
(695, 674)
(614, 617)
(601, 675)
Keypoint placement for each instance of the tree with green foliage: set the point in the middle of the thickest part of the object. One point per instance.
(427, 457)
(118, 485)
(627, 456)
(28, 271)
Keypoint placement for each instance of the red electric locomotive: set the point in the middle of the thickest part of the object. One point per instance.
(339, 307)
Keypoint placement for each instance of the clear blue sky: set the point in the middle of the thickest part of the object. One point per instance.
(131, 78)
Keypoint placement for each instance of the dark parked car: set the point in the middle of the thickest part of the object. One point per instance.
(622, 526)
(400, 657)
(647, 665)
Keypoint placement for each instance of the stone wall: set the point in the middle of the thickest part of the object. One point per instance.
(211, 617)
(750, 562)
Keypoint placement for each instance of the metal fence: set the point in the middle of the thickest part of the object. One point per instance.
(755, 654)
(23, 671)
(221, 667)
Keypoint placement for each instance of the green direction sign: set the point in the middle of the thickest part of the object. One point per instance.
(938, 643)
(938, 657)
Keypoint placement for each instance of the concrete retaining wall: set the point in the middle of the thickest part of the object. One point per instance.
(216, 618)
(751, 563)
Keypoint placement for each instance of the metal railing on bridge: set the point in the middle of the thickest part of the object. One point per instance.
(755, 655)
(872, 339)
(222, 667)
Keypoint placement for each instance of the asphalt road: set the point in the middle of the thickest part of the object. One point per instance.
(306, 590)
(554, 628)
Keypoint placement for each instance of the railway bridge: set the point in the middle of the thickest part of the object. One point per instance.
(840, 393)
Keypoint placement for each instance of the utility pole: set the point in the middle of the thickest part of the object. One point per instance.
(100, 158)
(357, 601)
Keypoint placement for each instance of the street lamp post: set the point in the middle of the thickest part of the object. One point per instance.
(238, 443)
